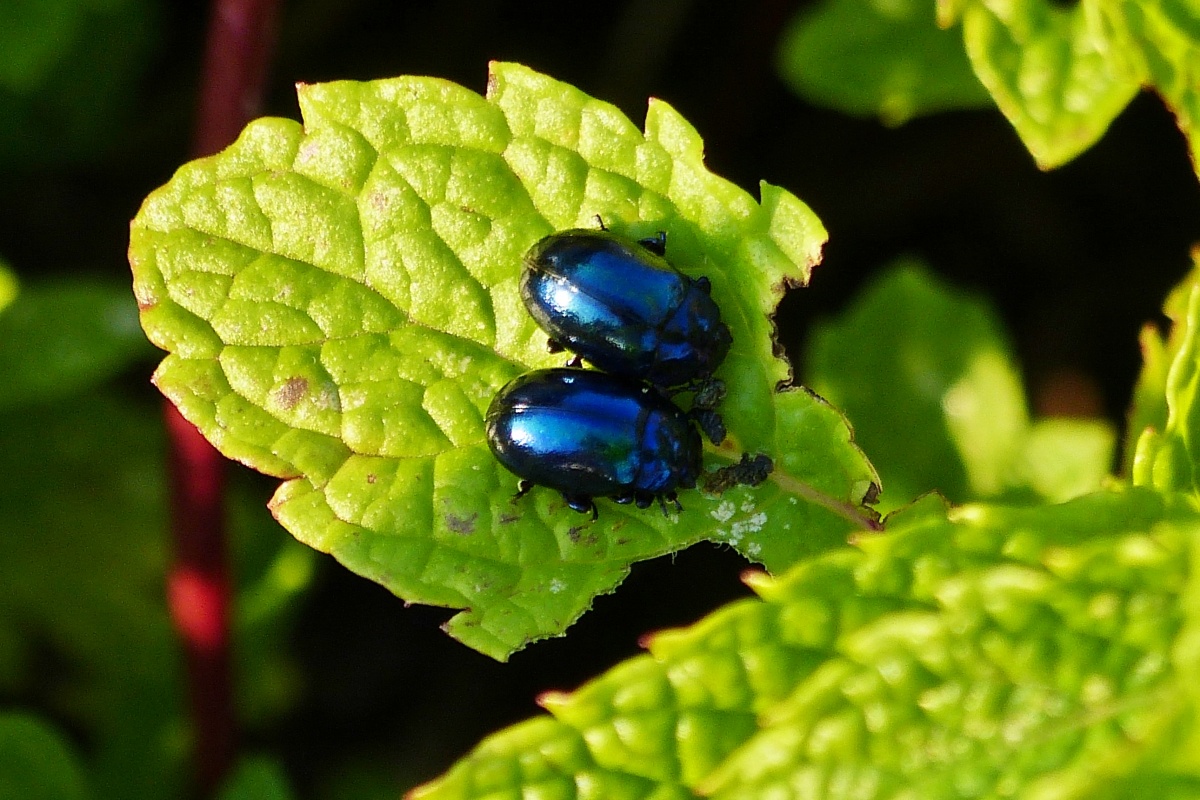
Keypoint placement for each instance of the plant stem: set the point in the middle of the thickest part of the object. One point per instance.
(240, 40)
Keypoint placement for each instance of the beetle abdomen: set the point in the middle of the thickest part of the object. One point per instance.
(588, 434)
(623, 307)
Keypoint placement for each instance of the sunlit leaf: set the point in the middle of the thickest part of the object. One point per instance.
(340, 305)
(1043, 652)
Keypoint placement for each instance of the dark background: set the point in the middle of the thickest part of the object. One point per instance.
(1076, 260)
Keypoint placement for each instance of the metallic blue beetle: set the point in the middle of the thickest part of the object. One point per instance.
(589, 434)
(621, 306)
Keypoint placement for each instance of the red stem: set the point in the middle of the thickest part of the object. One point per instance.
(240, 40)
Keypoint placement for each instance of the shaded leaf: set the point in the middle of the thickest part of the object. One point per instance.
(83, 562)
(340, 304)
(256, 779)
(37, 762)
(69, 75)
(926, 376)
(57, 339)
(1059, 72)
(884, 58)
(1042, 652)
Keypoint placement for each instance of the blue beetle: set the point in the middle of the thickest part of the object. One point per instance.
(621, 306)
(589, 434)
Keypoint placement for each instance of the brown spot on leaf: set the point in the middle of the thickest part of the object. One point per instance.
(461, 525)
(292, 392)
(371, 478)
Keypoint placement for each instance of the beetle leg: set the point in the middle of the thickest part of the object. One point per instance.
(708, 393)
(663, 499)
(581, 503)
(656, 244)
(710, 423)
(554, 346)
(642, 499)
(575, 361)
(704, 284)
(523, 487)
(600, 222)
(623, 499)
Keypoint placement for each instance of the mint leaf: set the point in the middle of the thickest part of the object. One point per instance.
(69, 76)
(1063, 458)
(1056, 72)
(9, 285)
(1148, 411)
(912, 348)
(1165, 454)
(57, 339)
(256, 779)
(340, 303)
(872, 58)
(84, 557)
(37, 761)
(989, 652)
(1059, 72)
(1168, 32)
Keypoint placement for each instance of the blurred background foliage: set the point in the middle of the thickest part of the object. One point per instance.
(350, 694)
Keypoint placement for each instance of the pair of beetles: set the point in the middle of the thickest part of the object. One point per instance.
(650, 331)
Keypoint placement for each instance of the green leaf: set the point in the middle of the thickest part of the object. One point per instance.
(340, 303)
(1059, 72)
(1168, 32)
(1042, 652)
(68, 78)
(1056, 73)
(1063, 458)
(1165, 454)
(57, 339)
(83, 548)
(37, 762)
(1148, 410)
(912, 349)
(256, 779)
(884, 58)
(9, 286)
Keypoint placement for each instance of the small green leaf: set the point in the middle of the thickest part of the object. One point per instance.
(1057, 73)
(1060, 72)
(1064, 458)
(256, 779)
(9, 285)
(911, 349)
(1165, 456)
(884, 58)
(37, 762)
(57, 339)
(84, 555)
(340, 303)
(1148, 412)
(69, 76)
(1169, 36)
(994, 652)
